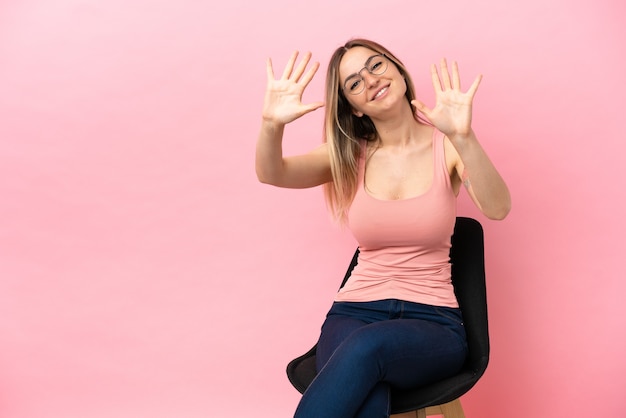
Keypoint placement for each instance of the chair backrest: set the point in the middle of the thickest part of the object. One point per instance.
(468, 277)
(467, 256)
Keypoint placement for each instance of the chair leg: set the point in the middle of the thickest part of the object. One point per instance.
(411, 414)
(452, 409)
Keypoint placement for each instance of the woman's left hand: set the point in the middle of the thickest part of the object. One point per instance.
(452, 113)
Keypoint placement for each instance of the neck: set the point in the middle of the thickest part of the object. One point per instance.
(399, 130)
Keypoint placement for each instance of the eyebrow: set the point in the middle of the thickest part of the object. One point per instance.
(365, 66)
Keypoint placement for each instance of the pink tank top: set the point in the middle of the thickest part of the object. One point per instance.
(404, 244)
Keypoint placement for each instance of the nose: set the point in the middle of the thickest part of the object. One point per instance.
(370, 79)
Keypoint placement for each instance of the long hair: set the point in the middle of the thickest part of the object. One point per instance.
(343, 130)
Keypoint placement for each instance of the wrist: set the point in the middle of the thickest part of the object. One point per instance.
(463, 136)
(463, 139)
(271, 124)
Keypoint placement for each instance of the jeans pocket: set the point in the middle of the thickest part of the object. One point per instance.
(451, 314)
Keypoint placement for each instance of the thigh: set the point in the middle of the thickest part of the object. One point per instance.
(418, 346)
(335, 330)
(343, 319)
(409, 352)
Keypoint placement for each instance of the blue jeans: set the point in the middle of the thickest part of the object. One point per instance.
(365, 348)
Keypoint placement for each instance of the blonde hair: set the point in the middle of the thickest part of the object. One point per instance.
(343, 130)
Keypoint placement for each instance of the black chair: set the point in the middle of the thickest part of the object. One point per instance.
(468, 278)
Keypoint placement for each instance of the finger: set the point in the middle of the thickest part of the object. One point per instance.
(435, 77)
(301, 67)
(456, 78)
(474, 86)
(304, 109)
(269, 69)
(289, 66)
(309, 74)
(445, 74)
(420, 106)
(423, 109)
(314, 106)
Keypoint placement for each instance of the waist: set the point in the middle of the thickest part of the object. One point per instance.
(432, 289)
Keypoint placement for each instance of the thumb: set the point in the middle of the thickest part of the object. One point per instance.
(421, 107)
(308, 108)
(313, 106)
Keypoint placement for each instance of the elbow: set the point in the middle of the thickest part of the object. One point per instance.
(269, 172)
(266, 177)
(498, 216)
(500, 212)
(500, 206)
(263, 177)
(260, 175)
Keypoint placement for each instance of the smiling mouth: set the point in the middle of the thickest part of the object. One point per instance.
(380, 92)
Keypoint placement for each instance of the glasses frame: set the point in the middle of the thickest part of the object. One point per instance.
(358, 74)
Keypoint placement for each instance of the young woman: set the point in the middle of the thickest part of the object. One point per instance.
(392, 176)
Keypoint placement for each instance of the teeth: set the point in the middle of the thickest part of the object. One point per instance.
(380, 92)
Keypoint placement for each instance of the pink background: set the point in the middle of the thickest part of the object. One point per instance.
(144, 272)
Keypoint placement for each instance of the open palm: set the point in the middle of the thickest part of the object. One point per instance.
(452, 113)
(283, 96)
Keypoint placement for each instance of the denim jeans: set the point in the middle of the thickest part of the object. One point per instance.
(365, 348)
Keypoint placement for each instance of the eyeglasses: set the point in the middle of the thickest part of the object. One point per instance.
(375, 65)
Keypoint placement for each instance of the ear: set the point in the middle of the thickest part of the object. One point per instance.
(357, 113)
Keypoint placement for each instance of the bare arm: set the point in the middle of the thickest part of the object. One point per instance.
(452, 115)
(282, 105)
(481, 178)
(294, 172)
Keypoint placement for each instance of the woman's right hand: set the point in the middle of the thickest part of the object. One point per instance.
(283, 97)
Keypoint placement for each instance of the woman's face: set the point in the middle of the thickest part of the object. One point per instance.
(370, 81)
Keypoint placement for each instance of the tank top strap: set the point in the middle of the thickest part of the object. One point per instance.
(362, 158)
(441, 174)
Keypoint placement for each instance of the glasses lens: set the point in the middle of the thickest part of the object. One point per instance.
(377, 65)
(354, 84)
